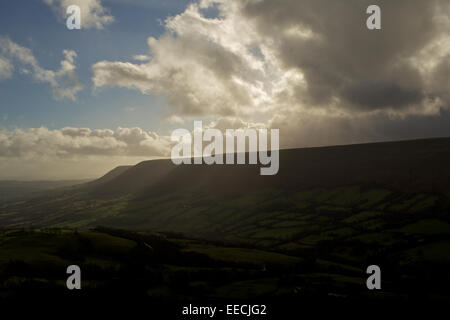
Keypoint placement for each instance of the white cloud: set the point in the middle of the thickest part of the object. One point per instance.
(174, 119)
(141, 57)
(6, 68)
(261, 58)
(93, 14)
(203, 66)
(63, 82)
(225, 123)
(71, 142)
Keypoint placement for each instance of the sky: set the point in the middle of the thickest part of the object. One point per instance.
(76, 103)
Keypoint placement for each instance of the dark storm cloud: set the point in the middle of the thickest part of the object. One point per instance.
(441, 79)
(342, 60)
(373, 95)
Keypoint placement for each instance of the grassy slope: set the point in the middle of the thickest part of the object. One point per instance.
(11, 190)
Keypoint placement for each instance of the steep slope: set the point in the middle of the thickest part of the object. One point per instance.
(135, 178)
(110, 175)
(405, 165)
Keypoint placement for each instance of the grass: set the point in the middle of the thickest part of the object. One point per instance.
(250, 288)
(44, 247)
(436, 252)
(362, 216)
(251, 256)
(426, 227)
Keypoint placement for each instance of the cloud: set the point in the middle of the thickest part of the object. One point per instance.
(6, 68)
(174, 119)
(141, 57)
(63, 82)
(225, 123)
(195, 65)
(350, 67)
(93, 14)
(257, 58)
(72, 142)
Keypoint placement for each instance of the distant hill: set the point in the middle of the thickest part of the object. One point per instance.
(406, 165)
(108, 176)
(125, 180)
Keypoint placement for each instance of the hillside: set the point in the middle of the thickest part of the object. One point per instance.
(337, 209)
(108, 176)
(406, 165)
(224, 200)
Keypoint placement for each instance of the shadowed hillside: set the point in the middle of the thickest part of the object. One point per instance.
(108, 176)
(135, 178)
(406, 165)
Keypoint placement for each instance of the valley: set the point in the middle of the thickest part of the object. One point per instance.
(226, 231)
